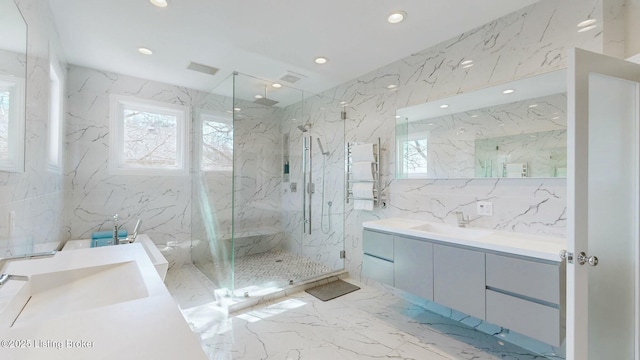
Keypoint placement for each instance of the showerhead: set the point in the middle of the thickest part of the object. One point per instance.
(325, 153)
(304, 128)
(264, 100)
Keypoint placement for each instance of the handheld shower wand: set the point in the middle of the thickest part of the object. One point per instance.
(322, 147)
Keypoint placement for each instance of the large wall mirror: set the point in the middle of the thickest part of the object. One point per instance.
(13, 72)
(513, 130)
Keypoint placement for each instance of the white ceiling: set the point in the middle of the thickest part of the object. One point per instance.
(262, 38)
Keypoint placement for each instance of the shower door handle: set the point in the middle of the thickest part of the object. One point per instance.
(310, 188)
(307, 185)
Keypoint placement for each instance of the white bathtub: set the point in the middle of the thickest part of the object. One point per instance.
(161, 264)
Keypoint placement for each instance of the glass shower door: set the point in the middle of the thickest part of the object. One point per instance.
(211, 188)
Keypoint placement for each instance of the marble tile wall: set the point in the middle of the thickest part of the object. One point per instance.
(258, 177)
(165, 203)
(92, 195)
(35, 195)
(530, 41)
(12, 63)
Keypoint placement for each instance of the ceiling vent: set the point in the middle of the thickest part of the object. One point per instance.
(210, 70)
(292, 77)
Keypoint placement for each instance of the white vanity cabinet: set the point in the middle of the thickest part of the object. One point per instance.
(526, 296)
(402, 262)
(413, 266)
(521, 293)
(459, 279)
(378, 257)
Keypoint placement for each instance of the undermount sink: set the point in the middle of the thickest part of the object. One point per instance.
(450, 230)
(50, 295)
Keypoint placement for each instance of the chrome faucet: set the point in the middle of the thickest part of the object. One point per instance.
(116, 228)
(462, 221)
(6, 277)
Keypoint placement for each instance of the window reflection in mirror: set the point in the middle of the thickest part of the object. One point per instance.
(487, 133)
(13, 48)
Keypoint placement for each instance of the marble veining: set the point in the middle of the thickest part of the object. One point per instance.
(527, 42)
(366, 324)
(36, 195)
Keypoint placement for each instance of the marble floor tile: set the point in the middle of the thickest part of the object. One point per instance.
(366, 324)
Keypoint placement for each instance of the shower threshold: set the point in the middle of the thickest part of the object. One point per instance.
(271, 275)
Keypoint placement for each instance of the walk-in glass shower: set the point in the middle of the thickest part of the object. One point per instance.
(268, 186)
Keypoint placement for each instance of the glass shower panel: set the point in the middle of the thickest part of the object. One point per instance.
(259, 173)
(212, 182)
(278, 185)
(249, 177)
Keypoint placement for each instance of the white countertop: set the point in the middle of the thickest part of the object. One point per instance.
(159, 261)
(541, 247)
(148, 327)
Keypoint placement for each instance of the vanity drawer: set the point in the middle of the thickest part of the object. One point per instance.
(533, 279)
(377, 244)
(538, 321)
(377, 269)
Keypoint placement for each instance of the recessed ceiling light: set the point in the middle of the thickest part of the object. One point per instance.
(584, 29)
(467, 66)
(392, 86)
(397, 116)
(509, 91)
(258, 96)
(145, 51)
(320, 60)
(474, 115)
(533, 105)
(276, 85)
(587, 22)
(159, 3)
(555, 118)
(397, 17)
(444, 106)
(343, 103)
(466, 62)
(236, 109)
(430, 124)
(501, 124)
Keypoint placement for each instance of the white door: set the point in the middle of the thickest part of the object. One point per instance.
(603, 207)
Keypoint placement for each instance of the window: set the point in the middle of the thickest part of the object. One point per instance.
(216, 153)
(56, 114)
(12, 124)
(413, 156)
(148, 137)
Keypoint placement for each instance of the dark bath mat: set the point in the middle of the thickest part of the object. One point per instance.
(332, 290)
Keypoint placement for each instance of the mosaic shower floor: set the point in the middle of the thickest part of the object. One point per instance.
(258, 278)
(275, 268)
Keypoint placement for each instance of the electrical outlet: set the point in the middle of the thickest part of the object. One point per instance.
(484, 208)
